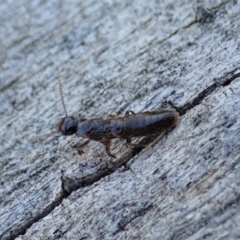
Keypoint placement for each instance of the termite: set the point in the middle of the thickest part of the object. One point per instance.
(150, 123)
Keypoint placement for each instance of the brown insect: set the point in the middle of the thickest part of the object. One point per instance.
(130, 125)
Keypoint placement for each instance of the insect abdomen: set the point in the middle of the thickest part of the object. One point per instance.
(150, 123)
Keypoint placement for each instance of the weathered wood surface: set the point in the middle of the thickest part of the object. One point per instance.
(114, 56)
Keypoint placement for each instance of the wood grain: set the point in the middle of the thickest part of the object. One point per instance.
(113, 56)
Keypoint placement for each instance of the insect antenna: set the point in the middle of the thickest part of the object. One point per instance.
(36, 138)
(62, 98)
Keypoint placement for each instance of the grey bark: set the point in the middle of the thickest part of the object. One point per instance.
(112, 56)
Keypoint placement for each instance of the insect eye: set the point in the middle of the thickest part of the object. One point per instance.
(69, 126)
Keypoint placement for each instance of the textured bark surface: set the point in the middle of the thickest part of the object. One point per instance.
(112, 56)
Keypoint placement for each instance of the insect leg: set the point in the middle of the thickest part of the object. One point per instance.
(107, 143)
(128, 112)
(130, 144)
(128, 141)
(80, 147)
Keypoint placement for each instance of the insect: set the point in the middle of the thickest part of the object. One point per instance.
(130, 125)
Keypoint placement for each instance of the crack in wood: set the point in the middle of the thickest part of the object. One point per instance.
(229, 77)
(48, 209)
